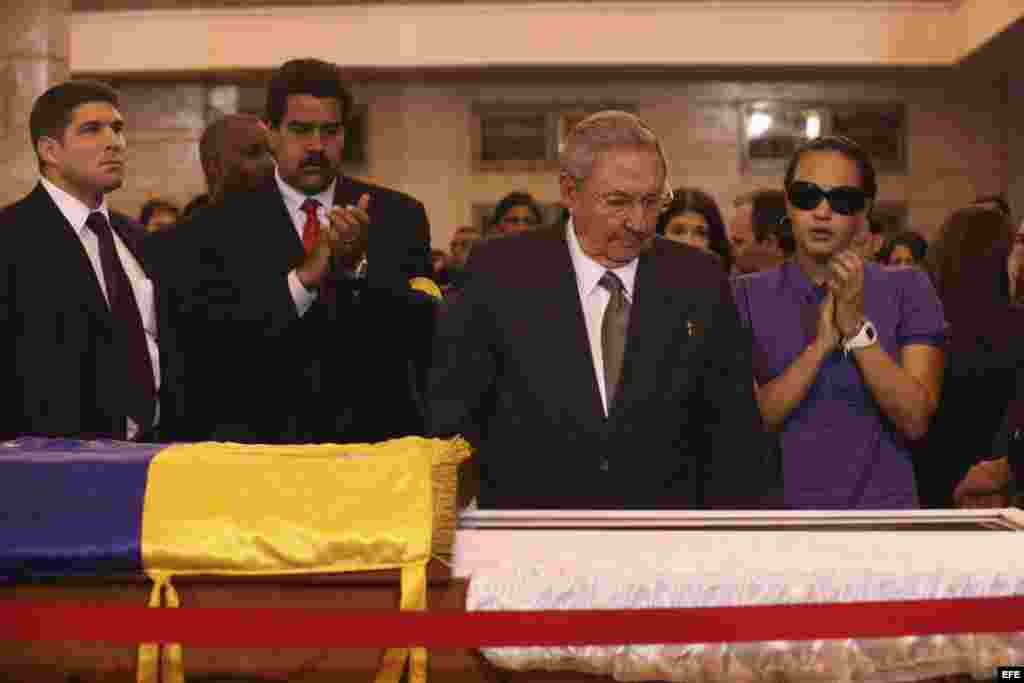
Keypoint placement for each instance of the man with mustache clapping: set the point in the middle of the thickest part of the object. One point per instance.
(305, 282)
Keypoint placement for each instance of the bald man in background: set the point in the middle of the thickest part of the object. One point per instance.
(235, 155)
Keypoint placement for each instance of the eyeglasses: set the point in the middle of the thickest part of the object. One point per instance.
(844, 199)
(624, 204)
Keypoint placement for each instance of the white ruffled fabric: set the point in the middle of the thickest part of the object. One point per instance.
(900, 567)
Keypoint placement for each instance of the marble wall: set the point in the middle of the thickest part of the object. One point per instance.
(33, 57)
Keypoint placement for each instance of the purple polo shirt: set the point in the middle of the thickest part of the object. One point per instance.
(838, 450)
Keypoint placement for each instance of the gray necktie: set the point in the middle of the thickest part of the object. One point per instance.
(613, 333)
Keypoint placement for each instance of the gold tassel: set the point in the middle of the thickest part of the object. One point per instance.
(148, 669)
(155, 660)
(172, 657)
(414, 597)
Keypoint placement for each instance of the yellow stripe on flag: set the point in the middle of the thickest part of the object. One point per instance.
(231, 509)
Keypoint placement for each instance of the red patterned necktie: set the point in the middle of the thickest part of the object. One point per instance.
(311, 231)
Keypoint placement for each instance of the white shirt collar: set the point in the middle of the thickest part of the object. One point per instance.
(589, 271)
(294, 199)
(74, 209)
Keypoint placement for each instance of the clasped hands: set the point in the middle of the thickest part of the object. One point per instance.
(342, 244)
(842, 311)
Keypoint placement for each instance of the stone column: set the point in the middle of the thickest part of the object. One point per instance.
(34, 41)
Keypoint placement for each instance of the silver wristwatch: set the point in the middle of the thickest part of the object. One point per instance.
(866, 336)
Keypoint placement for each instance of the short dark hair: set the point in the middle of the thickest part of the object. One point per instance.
(305, 77)
(52, 111)
(849, 149)
(917, 245)
(997, 199)
(514, 199)
(154, 205)
(686, 199)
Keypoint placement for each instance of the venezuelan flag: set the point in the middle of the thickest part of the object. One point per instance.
(109, 508)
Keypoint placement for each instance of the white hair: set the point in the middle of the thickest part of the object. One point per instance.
(599, 132)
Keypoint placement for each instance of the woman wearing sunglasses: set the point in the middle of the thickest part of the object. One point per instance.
(848, 355)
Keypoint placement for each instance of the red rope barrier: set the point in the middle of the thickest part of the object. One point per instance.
(287, 627)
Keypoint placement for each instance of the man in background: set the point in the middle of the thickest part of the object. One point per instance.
(463, 241)
(516, 212)
(740, 229)
(83, 352)
(235, 155)
(772, 234)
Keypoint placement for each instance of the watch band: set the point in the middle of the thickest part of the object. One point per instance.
(866, 336)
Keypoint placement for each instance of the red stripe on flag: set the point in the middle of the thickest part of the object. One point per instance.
(285, 627)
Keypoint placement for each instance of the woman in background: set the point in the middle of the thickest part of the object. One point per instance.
(516, 212)
(968, 262)
(692, 217)
(905, 248)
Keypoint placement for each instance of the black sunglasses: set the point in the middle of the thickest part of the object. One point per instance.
(844, 199)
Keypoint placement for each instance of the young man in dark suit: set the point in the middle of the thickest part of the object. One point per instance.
(82, 351)
(616, 375)
(304, 294)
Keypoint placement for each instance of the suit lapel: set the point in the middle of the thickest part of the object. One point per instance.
(649, 306)
(131, 239)
(68, 254)
(282, 240)
(576, 368)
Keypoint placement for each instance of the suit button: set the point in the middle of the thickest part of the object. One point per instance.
(605, 465)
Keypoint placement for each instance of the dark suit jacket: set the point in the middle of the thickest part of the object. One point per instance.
(344, 370)
(514, 373)
(56, 347)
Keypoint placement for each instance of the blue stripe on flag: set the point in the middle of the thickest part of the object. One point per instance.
(71, 507)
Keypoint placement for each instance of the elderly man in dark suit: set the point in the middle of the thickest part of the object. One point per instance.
(616, 375)
(82, 349)
(303, 293)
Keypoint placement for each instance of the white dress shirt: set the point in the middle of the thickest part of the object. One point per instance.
(76, 214)
(594, 299)
(293, 201)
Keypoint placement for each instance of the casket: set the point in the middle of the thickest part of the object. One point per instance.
(627, 566)
(822, 566)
